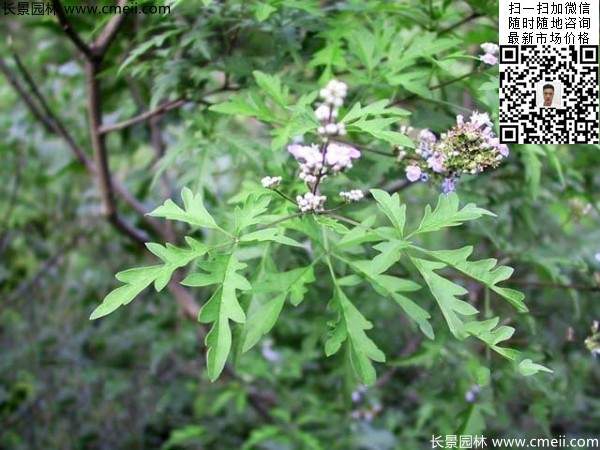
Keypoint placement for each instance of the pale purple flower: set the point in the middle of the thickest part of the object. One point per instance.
(413, 173)
(448, 185)
(436, 162)
(490, 47)
(503, 150)
(339, 156)
(480, 119)
(460, 119)
(427, 136)
(488, 58)
(268, 352)
(306, 154)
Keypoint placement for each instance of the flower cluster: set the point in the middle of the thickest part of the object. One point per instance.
(489, 56)
(270, 182)
(354, 195)
(469, 147)
(331, 157)
(310, 202)
(333, 97)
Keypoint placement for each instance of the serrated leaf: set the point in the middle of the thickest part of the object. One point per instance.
(271, 85)
(378, 108)
(378, 128)
(445, 293)
(484, 271)
(262, 11)
(391, 207)
(487, 332)
(448, 214)
(270, 234)
(350, 329)
(391, 286)
(269, 295)
(252, 212)
(246, 104)
(138, 279)
(222, 307)
(527, 368)
(194, 213)
(359, 234)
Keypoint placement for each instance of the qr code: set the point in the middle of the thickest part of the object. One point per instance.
(548, 94)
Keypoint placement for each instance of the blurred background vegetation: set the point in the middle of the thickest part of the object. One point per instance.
(136, 379)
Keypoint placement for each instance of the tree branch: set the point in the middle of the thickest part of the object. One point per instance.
(167, 106)
(26, 97)
(101, 156)
(70, 31)
(473, 15)
(102, 43)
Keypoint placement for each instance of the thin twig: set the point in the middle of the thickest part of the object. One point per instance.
(284, 196)
(167, 106)
(467, 19)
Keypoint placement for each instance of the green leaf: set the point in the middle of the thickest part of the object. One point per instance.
(222, 307)
(194, 212)
(391, 207)
(484, 271)
(378, 129)
(445, 293)
(270, 234)
(174, 257)
(246, 104)
(448, 214)
(391, 287)
(271, 85)
(138, 279)
(527, 368)
(350, 329)
(262, 11)
(359, 234)
(252, 212)
(269, 295)
(487, 332)
(379, 108)
(530, 155)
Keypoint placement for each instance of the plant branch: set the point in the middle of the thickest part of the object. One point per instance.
(65, 24)
(164, 107)
(102, 43)
(472, 16)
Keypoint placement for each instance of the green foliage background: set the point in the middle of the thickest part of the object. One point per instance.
(137, 379)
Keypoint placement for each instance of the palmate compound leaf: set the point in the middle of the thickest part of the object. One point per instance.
(222, 307)
(194, 213)
(139, 278)
(268, 296)
(350, 329)
(448, 214)
(445, 293)
(484, 271)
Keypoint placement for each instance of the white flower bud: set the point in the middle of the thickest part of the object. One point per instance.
(270, 182)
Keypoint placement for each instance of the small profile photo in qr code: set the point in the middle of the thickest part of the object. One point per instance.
(549, 94)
